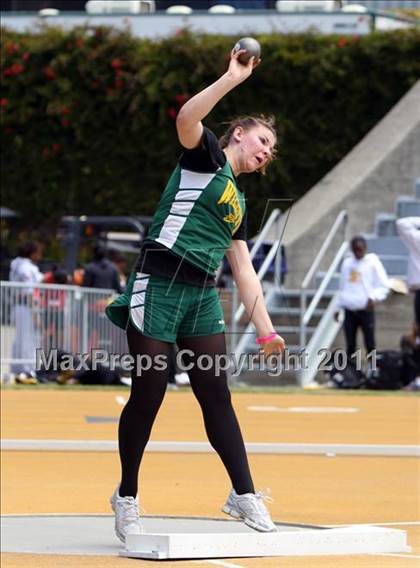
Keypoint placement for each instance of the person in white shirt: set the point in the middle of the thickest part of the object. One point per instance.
(409, 230)
(363, 283)
(24, 269)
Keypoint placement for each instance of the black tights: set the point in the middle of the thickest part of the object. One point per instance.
(212, 393)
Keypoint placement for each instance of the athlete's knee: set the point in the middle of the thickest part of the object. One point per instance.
(146, 404)
(213, 393)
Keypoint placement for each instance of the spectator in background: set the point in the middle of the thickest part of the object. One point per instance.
(410, 347)
(101, 272)
(120, 262)
(53, 302)
(77, 277)
(363, 283)
(56, 275)
(409, 230)
(24, 269)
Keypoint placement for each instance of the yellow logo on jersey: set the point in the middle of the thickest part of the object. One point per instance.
(354, 276)
(230, 197)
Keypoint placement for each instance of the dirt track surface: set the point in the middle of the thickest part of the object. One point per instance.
(307, 489)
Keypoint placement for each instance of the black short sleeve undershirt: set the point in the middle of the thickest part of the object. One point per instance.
(206, 157)
(241, 233)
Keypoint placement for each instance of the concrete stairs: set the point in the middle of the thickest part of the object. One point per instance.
(385, 242)
(284, 309)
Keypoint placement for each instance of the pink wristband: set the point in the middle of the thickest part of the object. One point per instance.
(266, 339)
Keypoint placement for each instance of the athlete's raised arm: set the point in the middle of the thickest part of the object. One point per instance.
(188, 122)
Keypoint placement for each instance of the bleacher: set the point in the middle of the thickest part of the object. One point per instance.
(385, 241)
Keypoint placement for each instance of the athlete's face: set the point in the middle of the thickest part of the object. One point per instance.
(254, 147)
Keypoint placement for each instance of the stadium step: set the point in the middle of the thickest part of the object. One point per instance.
(395, 265)
(408, 207)
(386, 246)
(289, 311)
(334, 283)
(385, 225)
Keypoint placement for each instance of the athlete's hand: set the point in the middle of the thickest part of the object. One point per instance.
(238, 71)
(274, 347)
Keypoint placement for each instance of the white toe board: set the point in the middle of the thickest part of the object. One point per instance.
(355, 539)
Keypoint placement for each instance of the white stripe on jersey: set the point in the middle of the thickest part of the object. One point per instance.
(195, 180)
(170, 230)
(140, 285)
(182, 207)
(188, 194)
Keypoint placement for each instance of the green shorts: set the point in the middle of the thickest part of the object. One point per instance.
(164, 309)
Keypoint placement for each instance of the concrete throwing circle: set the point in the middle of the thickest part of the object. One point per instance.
(94, 534)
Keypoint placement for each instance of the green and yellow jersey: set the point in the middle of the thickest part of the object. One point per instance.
(201, 210)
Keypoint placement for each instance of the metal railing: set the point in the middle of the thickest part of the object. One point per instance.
(306, 313)
(327, 328)
(51, 316)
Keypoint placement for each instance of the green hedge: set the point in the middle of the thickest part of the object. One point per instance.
(88, 114)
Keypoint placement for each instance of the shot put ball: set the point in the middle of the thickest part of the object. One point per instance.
(253, 49)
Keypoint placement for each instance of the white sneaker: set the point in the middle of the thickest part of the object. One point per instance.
(251, 509)
(182, 379)
(127, 519)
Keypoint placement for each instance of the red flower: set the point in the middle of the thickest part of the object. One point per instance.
(79, 43)
(65, 110)
(181, 99)
(118, 84)
(14, 69)
(11, 48)
(49, 72)
(8, 130)
(109, 91)
(118, 72)
(342, 42)
(172, 113)
(45, 152)
(116, 63)
(56, 147)
(26, 56)
(4, 102)
(65, 122)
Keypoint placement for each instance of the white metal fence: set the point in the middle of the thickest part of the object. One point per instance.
(51, 316)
